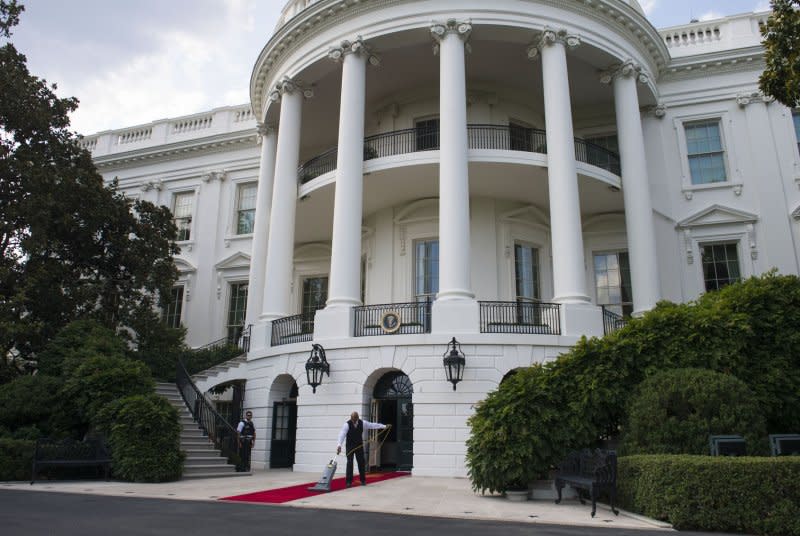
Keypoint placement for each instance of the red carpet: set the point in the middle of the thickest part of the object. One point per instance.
(300, 491)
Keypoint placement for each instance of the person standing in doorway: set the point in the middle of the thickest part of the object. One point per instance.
(352, 436)
(247, 439)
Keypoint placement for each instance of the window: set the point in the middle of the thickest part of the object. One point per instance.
(426, 269)
(612, 275)
(720, 265)
(236, 311)
(172, 314)
(704, 149)
(603, 152)
(526, 263)
(427, 134)
(246, 208)
(315, 294)
(520, 137)
(796, 119)
(182, 213)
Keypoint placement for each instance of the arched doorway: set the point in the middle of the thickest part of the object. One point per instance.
(284, 430)
(391, 404)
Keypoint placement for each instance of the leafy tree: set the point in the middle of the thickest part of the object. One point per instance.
(781, 78)
(79, 340)
(70, 246)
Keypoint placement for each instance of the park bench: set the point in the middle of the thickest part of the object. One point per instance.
(70, 453)
(592, 471)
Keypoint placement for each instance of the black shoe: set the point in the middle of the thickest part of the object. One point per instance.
(363, 482)
(348, 485)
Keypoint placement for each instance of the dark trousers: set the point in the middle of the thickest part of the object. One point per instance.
(359, 455)
(245, 446)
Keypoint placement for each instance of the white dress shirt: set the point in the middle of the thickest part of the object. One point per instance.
(367, 426)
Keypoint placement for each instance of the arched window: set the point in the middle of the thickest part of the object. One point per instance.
(393, 385)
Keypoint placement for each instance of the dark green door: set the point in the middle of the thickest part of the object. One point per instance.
(392, 395)
(284, 430)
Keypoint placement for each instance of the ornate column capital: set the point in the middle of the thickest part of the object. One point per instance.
(211, 176)
(743, 99)
(289, 85)
(627, 68)
(549, 37)
(462, 29)
(264, 130)
(357, 47)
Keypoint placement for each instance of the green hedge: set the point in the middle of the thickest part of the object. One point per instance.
(744, 495)
(16, 458)
(145, 439)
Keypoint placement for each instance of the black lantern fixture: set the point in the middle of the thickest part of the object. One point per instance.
(454, 361)
(316, 366)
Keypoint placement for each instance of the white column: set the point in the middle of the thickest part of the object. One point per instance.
(258, 251)
(454, 236)
(569, 276)
(455, 309)
(280, 247)
(636, 189)
(578, 315)
(344, 289)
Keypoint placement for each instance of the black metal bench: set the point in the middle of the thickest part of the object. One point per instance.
(593, 471)
(70, 453)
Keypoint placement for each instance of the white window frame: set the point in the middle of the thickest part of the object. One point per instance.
(238, 186)
(728, 152)
(701, 237)
(192, 227)
(539, 265)
(183, 286)
(718, 242)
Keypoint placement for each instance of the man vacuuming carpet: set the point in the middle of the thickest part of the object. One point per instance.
(353, 432)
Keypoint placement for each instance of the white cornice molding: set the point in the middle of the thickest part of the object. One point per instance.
(730, 61)
(178, 151)
(743, 99)
(717, 215)
(327, 14)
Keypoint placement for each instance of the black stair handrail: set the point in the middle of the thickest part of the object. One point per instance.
(219, 431)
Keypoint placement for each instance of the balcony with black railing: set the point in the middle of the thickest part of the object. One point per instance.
(492, 137)
(526, 317)
(393, 319)
(291, 329)
(612, 321)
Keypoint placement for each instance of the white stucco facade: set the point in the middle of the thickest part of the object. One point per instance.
(469, 153)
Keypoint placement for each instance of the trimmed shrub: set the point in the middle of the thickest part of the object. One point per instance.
(98, 381)
(503, 451)
(145, 439)
(742, 495)
(16, 458)
(674, 412)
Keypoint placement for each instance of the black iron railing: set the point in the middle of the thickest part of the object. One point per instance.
(528, 317)
(214, 425)
(239, 337)
(289, 329)
(392, 319)
(612, 321)
(497, 137)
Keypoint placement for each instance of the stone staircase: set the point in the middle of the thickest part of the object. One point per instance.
(203, 460)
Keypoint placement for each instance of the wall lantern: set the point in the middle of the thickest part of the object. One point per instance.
(454, 361)
(316, 366)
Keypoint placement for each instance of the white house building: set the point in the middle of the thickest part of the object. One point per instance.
(510, 174)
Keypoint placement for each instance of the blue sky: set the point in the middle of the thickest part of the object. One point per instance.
(132, 62)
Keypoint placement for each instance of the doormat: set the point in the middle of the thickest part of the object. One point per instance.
(300, 491)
